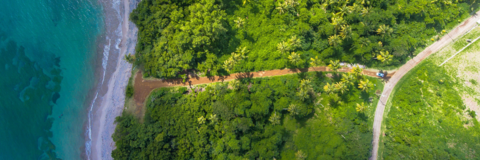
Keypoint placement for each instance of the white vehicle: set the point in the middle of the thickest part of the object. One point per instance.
(380, 74)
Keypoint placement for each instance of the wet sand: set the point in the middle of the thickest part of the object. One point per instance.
(114, 72)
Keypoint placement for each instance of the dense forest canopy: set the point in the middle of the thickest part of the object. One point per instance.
(308, 115)
(216, 37)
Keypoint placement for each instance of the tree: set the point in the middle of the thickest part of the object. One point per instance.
(337, 21)
(281, 7)
(274, 119)
(348, 78)
(365, 11)
(293, 109)
(294, 58)
(328, 88)
(364, 42)
(305, 87)
(300, 155)
(341, 87)
(283, 47)
(334, 65)
(346, 32)
(384, 30)
(213, 118)
(334, 40)
(385, 57)
(201, 120)
(229, 64)
(343, 10)
(235, 84)
(361, 107)
(365, 85)
(239, 22)
(235, 58)
(357, 71)
(294, 42)
(315, 62)
(129, 58)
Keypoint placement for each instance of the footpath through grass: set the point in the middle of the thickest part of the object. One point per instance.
(432, 112)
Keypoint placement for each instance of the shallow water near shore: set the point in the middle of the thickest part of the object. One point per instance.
(48, 56)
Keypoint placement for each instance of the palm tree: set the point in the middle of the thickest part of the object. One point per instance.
(364, 42)
(300, 155)
(305, 84)
(274, 119)
(334, 65)
(213, 118)
(341, 87)
(235, 84)
(229, 64)
(365, 11)
(328, 88)
(291, 3)
(348, 78)
(343, 10)
(294, 58)
(315, 61)
(385, 57)
(241, 53)
(283, 47)
(356, 71)
(361, 107)
(365, 85)
(337, 22)
(282, 7)
(239, 22)
(346, 32)
(293, 109)
(334, 40)
(384, 30)
(201, 120)
(355, 8)
(294, 42)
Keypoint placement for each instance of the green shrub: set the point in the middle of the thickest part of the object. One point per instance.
(129, 91)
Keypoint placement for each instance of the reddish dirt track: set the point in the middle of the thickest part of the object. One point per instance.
(144, 87)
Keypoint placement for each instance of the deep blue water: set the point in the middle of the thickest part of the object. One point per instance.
(47, 59)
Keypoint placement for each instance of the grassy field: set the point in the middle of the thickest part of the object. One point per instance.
(432, 112)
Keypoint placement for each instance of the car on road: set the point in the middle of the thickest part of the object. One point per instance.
(380, 74)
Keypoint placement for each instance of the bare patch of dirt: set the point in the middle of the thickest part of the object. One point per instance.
(472, 105)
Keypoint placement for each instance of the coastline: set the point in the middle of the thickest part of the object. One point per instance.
(108, 97)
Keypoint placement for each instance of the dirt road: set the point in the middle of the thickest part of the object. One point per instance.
(144, 87)
(444, 41)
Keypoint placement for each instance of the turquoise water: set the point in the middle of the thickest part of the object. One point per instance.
(48, 52)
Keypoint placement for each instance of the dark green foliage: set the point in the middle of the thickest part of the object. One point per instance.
(129, 91)
(176, 35)
(473, 81)
(428, 119)
(221, 123)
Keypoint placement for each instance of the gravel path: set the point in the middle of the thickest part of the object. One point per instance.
(444, 41)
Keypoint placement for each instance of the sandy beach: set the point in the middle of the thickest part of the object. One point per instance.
(108, 101)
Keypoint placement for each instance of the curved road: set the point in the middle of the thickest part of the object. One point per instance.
(464, 27)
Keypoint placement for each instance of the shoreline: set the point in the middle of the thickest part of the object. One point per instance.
(106, 101)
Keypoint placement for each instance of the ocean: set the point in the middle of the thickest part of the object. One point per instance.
(48, 60)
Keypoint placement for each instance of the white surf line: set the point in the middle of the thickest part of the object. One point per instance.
(460, 51)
